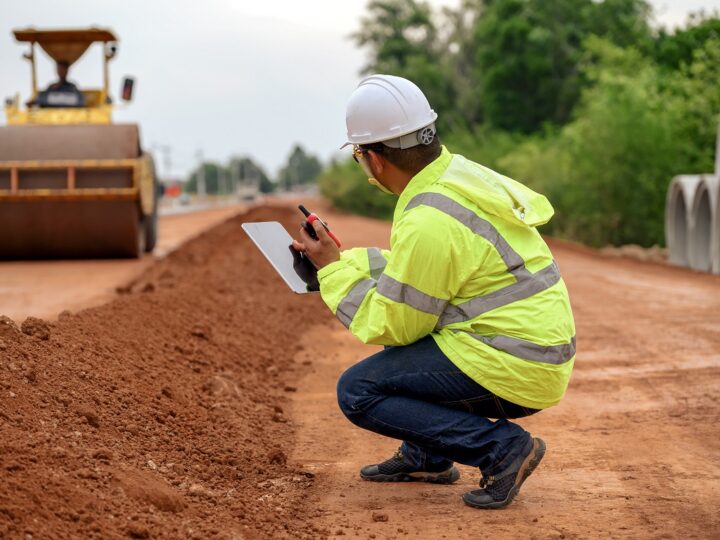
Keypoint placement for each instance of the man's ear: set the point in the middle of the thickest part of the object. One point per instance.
(376, 162)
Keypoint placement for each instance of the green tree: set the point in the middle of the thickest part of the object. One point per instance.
(458, 54)
(678, 48)
(636, 127)
(246, 171)
(395, 31)
(301, 168)
(511, 63)
(622, 22)
(528, 54)
(402, 40)
(212, 173)
(526, 61)
(697, 88)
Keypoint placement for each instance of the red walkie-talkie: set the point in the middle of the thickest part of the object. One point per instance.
(311, 218)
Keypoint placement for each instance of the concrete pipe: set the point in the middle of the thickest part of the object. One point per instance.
(717, 154)
(704, 233)
(716, 223)
(678, 217)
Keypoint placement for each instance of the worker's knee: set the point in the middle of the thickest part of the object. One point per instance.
(346, 392)
(354, 394)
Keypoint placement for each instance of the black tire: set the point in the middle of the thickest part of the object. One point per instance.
(141, 237)
(151, 231)
(151, 221)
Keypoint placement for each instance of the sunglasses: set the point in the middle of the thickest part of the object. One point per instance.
(358, 151)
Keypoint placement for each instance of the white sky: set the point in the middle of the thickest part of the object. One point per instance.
(226, 77)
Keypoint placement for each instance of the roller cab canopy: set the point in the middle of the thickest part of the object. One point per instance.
(65, 45)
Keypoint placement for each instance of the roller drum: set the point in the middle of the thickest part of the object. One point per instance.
(39, 143)
(70, 229)
(77, 225)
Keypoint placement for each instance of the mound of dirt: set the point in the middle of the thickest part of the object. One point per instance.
(633, 251)
(160, 414)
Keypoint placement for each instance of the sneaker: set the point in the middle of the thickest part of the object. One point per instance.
(396, 469)
(498, 491)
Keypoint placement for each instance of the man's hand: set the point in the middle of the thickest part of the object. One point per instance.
(305, 269)
(322, 251)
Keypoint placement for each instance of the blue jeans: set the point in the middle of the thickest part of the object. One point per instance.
(416, 394)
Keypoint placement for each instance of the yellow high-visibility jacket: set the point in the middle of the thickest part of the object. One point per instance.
(468, 267)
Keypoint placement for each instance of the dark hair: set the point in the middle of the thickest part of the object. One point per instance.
(63, 63)
(411, 160)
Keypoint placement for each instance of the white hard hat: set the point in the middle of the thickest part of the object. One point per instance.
(391, 110)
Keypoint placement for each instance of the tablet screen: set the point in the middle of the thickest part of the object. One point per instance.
(274, 242)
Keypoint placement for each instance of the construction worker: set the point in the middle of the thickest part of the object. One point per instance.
(468, 301)
(61, 93)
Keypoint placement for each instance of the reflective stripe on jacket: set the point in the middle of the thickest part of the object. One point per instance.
(467, 266)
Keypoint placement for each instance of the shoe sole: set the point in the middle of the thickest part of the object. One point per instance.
(445, 477)
(528, 466)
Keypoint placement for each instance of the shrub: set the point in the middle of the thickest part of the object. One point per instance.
(607, 171)
(346, 186)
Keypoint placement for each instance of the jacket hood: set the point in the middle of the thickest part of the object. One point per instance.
(496, 194)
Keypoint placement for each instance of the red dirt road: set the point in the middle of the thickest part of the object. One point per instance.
(633, 450)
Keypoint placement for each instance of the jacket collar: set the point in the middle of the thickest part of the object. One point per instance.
(426, 177)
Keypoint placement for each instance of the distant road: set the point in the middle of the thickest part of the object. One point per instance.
(45, 288)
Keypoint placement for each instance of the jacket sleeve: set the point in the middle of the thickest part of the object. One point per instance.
(400, 302)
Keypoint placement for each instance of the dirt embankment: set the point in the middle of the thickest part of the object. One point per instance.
(162, 413)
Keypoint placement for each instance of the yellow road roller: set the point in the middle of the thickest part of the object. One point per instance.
(72, 183)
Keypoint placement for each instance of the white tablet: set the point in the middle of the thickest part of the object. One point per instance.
(274, 242)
